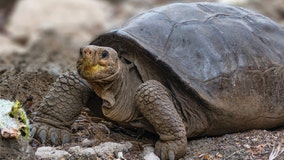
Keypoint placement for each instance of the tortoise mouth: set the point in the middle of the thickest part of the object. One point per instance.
(97, 72)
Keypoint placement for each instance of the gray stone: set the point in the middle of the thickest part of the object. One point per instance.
(148, 153)
(110, 148)
(51, 153)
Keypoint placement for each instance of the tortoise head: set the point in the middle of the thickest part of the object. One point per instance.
(97, 63)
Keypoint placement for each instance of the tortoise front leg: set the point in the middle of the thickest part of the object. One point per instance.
(59, 109)
(155, 103)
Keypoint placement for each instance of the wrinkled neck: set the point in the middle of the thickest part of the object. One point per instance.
(106, 87)
(117, 93)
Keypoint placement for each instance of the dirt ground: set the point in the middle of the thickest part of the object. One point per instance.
(31, 71)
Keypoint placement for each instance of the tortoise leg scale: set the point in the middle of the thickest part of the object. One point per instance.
(155, 103)
(59, 109)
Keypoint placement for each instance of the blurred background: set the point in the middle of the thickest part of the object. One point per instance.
(34, 27)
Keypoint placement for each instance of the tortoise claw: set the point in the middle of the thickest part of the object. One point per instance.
(50, 135)
(42, 135)
(171, 149)
(53, 136)
(66, 137)
(171, 155)
(167, 154)
(33, 131)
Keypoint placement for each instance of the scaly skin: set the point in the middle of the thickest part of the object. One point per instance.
(156, 105)
(59, 109)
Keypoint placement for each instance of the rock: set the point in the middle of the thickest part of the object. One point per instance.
(104, 150)
(51, 153)
(119, 156)
(148, 153)
(77, 150)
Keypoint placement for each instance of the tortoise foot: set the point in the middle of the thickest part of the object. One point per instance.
(171, 149)
(50, 135)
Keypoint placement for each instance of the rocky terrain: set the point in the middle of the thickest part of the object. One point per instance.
(41, 39)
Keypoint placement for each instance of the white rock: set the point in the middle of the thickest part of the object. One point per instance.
(151, 156)
(77, 150)
(51, 153)
(109, 148)
(104, 150)
(74, 150)
(87, 151)
(148, 153)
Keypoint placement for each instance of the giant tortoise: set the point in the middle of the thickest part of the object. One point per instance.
(180, 70)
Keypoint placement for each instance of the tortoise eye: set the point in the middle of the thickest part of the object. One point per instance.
(105, 54)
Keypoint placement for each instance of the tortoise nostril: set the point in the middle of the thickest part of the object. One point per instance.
(87, 53)
(81, 52)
